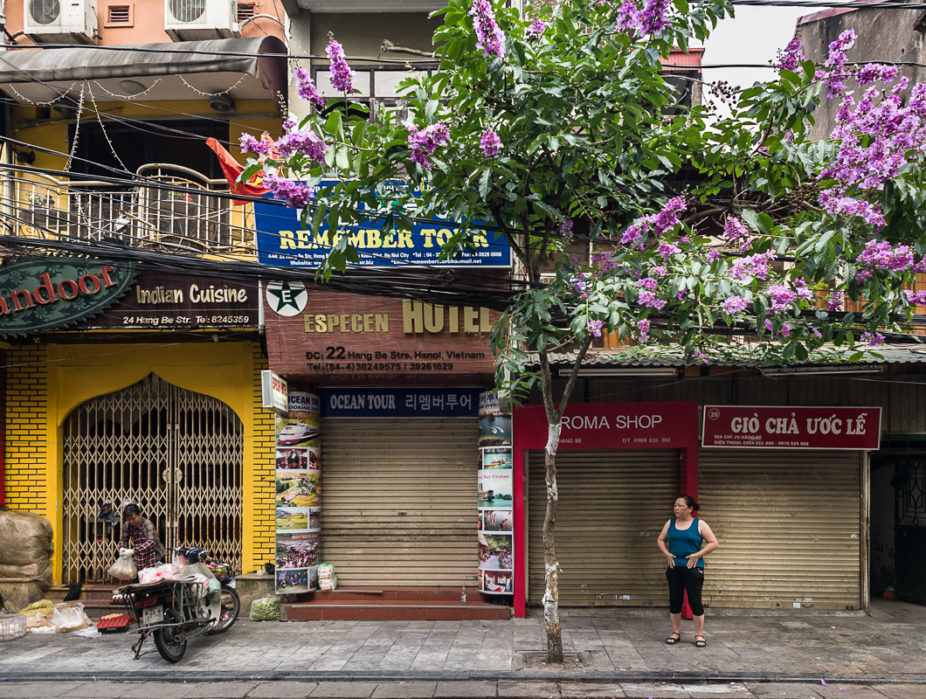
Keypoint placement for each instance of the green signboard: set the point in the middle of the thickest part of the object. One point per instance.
(43, 293)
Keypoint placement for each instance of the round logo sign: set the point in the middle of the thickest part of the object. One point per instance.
(287, 298)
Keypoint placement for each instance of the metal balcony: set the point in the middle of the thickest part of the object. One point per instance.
(171, 209)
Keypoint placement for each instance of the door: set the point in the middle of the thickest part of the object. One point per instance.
(910, 529)
(176, 453)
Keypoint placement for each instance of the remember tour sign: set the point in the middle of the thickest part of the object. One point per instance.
(781, 427)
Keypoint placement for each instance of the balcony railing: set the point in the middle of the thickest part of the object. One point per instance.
(171, 209)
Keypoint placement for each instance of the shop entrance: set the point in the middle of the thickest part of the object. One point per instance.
(910, 528)
(176, 453)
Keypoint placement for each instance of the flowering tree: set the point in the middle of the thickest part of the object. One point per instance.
(713, 238)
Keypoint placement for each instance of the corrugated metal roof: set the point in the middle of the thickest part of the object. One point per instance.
(907, 353)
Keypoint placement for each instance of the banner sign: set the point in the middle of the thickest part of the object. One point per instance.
(782, 427)
(274, 393)
(612, 425)
(167, 300)
(316, 334)
(47, 293)
(283, 242)
(399, 402)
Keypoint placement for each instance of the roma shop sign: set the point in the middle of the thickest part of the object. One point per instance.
(165, 300)
(44, 293)
(781, 427)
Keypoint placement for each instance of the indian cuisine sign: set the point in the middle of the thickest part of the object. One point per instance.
(46, 293)
(780, 427)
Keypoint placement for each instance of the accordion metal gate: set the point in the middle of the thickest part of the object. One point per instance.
(176, 453)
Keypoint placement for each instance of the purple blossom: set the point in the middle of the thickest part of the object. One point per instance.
(753, 266)
(249, 144)
(792, 56)
(650, 300)
(659, 271)
(713, 255)
(700, 356)
(654, 17)
(295, 194)
(850, 206)
(666, 250)
(628, 16)
(803, 292)
(734, 304)
(594, 327)
(489, 36)
(603, 262)
(681, 293)
(835, 301)
(304, 142)
(781, 297)
(342, 77)
(836, 62)
(648, 283)
(307, 89)
(816, 333)
(633, 235)
(880, 254)
(863, 276)
(735, 232)
(643, 328)
(876, 72)
(491, 144)
(423, 143)
(915, 298)
(536, 29)
(565, 229)
(873, 339)
(581, 285)
(667, 218)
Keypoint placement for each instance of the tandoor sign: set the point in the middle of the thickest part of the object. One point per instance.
(45, 293)
(781, 427)
(322, 333)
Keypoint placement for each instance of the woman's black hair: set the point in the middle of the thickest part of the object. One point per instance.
(131, 509)
(689, 502)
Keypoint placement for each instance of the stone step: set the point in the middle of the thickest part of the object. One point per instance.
(393, 612)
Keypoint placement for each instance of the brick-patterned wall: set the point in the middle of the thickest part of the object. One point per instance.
(26, 420)
(264, 510)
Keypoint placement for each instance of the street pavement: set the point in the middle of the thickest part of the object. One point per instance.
(610, 653)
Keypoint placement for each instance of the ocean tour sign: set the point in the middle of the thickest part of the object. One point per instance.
(45, 293)
(786, 427)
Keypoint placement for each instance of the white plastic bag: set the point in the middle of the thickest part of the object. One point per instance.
(69, 616)
(124, 568)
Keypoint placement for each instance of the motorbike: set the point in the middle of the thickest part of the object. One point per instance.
(172, 610)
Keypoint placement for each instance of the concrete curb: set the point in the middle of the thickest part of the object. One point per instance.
(552, 676)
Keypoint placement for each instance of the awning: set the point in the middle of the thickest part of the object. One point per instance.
(251, 68)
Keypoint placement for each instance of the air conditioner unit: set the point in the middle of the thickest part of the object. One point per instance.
(61, 21)
(192, 20)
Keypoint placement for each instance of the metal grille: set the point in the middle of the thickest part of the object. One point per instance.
(911, 492)
(177, 453)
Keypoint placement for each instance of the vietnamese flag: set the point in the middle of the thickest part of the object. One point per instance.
(231, 168)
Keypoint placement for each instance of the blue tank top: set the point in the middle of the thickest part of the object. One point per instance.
(684, 542)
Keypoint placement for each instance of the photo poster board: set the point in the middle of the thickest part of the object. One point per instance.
(495, 492)
(297, 499)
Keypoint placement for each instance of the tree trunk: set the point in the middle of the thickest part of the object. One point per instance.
(551, 623)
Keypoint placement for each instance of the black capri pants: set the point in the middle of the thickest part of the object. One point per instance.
(683, 579)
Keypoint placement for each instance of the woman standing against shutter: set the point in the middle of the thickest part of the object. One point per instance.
(685, 540)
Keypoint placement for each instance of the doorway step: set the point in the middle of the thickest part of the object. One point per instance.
(95, 596)
(392, 604)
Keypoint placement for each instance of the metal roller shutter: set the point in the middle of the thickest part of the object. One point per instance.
(789, 528)
(612, 505)
(398, 501)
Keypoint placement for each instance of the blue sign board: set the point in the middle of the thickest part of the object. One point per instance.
(399, 402)
(283, 242)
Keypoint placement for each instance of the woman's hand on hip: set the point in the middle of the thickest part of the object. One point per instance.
(693, 560)
(670, 560)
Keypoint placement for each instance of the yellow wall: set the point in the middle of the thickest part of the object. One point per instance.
(45, 383)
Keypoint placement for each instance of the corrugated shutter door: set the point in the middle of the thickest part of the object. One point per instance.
(788, 523)
(612, 505)
(398, 501)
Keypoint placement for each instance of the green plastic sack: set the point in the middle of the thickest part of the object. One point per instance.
(265, 609)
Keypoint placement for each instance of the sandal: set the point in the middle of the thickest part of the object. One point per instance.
(673, 639)
(700, 642)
